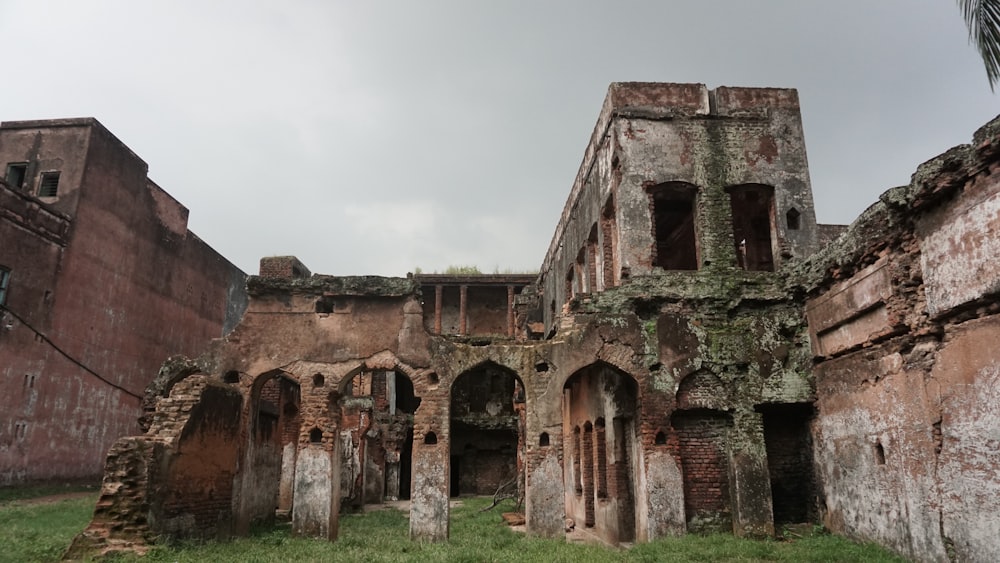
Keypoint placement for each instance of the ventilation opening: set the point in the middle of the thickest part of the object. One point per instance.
(430, 438)
(542, 367)
(231, 376)
(315, 436)
(672, 209)
(49, 186)
(432, 378)
(543, 439)
(879, 453)
(792, 219)
(661, 439)
(16, 174)
(752, 206)
(318, 380)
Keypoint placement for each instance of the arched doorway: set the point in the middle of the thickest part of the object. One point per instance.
(599, 458)
(273, 424)
(487, 441)
(376, 436)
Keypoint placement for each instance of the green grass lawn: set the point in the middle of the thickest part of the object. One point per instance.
(40, 532)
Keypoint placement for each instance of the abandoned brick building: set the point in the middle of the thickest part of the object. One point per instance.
(100, 280)
(696, 354)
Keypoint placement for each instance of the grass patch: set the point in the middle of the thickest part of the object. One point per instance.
(41, 532)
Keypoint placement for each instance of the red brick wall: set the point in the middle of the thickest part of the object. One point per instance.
(700, 446)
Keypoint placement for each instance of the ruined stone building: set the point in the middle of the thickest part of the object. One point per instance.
(100, 280)
(696, 354)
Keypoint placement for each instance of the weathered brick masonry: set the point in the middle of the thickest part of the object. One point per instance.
(100, 281)
(694, 355)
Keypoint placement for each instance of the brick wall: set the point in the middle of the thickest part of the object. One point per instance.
(701, 441)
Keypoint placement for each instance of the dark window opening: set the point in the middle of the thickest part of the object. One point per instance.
(543, 439)
(752, 207)
(541, 367)
(879, 453)
(432, 378)
(16, 174)
(231, 376)
(324, 306)
(672, 208)
(792, 219)
(608, 233)
(49, 186)
(318, 380)
(661, 438)
(406, 400)
(315, 436)
(430, 438)
(4, 283)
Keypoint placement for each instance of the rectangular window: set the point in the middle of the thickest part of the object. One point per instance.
(672, 206)
(753, 208)
(4, 281)
(49, 186)
(16, 174)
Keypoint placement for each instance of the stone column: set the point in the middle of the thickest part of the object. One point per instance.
(749, 481)
(510, 310)
(461, 309)
(438, 294)
(429, 509)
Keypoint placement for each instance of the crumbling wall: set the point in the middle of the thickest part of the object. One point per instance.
(903, 322)
(174, 481)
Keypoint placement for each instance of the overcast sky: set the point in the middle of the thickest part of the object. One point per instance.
(375, 137)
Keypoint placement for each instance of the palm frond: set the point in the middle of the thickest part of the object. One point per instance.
(982, 17)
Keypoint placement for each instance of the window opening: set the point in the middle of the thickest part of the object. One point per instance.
(672, 208)
(49, 186)
(16, 174)
(318, 380)
(792, 219)
(543, 439)
(315, 435)
(430, 438)
(231, 376)
(752, 206)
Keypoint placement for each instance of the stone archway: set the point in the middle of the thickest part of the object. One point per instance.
(270, 448)
(599, 459)
(376, 409)
(486, 430)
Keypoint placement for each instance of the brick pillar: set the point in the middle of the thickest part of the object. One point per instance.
(463, 291)
(750, 482)
(316, 501)
(431, 470)
(510, 310)
(438, 294)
